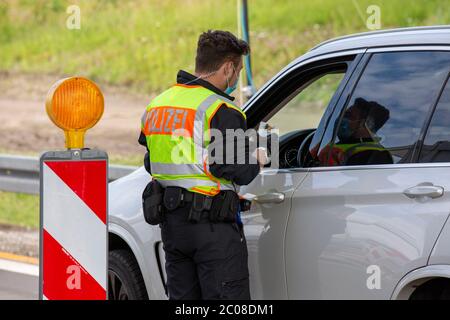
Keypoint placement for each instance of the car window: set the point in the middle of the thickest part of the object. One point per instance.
(306, 107)
(387, 109)
(436, 145)
(289, 85)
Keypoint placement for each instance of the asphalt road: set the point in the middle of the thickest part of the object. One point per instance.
(18, 281)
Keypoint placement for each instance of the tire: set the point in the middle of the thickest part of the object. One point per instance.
(125, 281)
(436, 289)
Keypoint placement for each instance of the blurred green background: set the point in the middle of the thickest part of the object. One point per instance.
(142, 43)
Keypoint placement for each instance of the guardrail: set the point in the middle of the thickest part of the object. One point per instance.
(21, 173)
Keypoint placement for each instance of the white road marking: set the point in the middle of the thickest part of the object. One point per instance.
(19, 267)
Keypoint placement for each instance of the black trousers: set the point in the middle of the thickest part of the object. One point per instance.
(204, 260)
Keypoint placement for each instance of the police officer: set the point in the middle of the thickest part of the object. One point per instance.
(204, 243)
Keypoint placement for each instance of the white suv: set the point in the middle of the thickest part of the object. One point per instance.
(359, 206)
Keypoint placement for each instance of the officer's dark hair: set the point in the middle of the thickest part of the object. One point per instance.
(216, 47)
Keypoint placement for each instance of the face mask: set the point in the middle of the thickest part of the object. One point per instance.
(229, 89)
(345, 131)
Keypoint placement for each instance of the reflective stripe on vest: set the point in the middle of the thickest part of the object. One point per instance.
(350, 149)
(175, 124)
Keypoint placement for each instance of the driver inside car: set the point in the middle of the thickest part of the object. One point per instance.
(357, 141)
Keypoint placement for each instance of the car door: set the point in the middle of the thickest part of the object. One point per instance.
(367, 213)
(281, 105)
(435, 150)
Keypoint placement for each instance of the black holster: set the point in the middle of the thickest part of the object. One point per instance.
(224, 207)
(199, 204)
(173, 198)
(152, 203)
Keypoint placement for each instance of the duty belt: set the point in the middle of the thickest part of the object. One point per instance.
(222, 207)
(175, 197)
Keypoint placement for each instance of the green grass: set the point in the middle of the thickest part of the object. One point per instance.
(19, 209)
(143, 43)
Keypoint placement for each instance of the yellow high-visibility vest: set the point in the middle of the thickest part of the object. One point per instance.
(176, 125)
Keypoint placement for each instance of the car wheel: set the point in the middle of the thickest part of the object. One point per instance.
(125, 280)
(436, 289)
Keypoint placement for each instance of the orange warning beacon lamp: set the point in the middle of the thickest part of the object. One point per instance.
(74, 104)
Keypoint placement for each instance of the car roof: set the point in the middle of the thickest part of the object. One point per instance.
(400, 36)
(433, 35)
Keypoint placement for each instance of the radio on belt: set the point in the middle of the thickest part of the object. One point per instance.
(73, 199)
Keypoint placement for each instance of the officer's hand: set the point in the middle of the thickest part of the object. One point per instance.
(261, 156)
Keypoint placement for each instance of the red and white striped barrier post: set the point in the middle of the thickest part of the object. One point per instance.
(74, 225)
(74, 200)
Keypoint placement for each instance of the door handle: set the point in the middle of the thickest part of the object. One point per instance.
(425, 189)
(273, 197)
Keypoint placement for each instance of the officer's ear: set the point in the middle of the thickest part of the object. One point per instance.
(227, 69)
